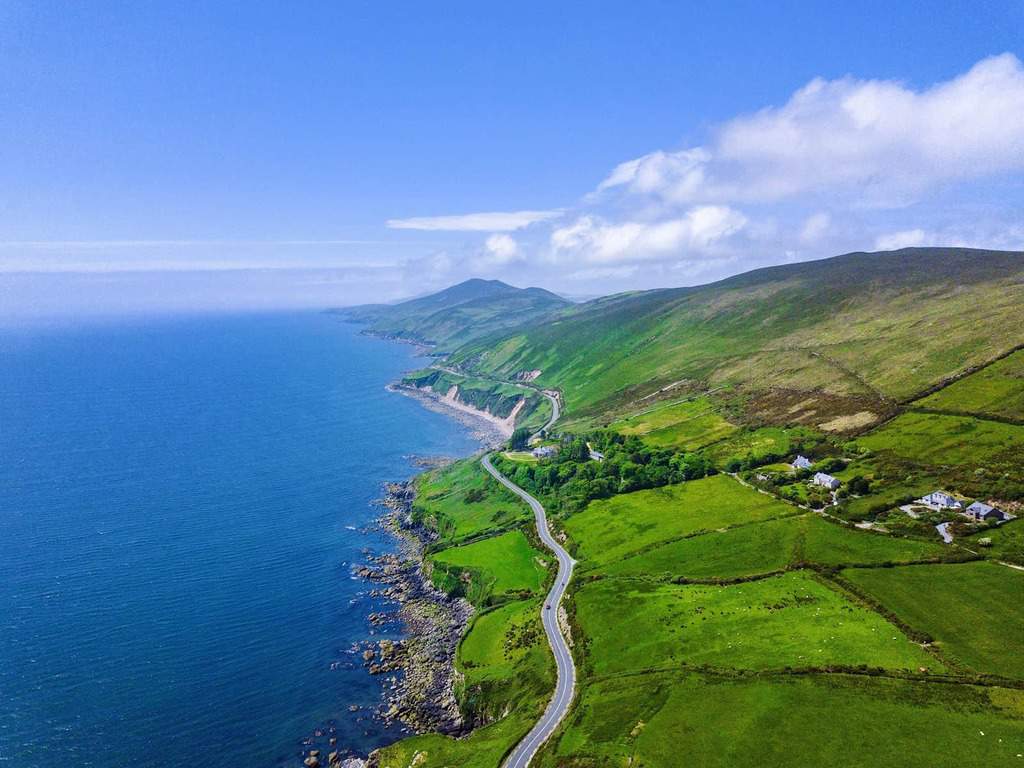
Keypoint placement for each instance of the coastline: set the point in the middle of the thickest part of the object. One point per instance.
(420, 690)
(490, 431)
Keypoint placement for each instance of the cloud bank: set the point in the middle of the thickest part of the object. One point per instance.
(841, 165)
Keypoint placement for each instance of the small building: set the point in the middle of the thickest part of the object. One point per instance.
(982, 513)
(825, 481)
(802, 462)
(942, 500)
(544, 451)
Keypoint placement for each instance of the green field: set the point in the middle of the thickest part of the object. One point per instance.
(462, 500)
(841, 721)
(787, 620)
(686, 426)
(483, 748)
(759, 443)
(770, 546)
(611, 528)
(997, 390)
(937, 439)
(505, 660)
(975, 611)
(1007, 542)
(497, 565)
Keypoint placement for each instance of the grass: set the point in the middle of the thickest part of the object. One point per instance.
(502, 564)
(609, 529)
(685, 426)
(997, 390)
(442, 504)
(483, 748)
(900, 321)
(1007, 542)
(796, 722)
(975, 611)
(505, 660)
(936, 440)
(786, 620)
(770, 546)
(759, 443)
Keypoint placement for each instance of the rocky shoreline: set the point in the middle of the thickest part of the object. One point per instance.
(421, 694)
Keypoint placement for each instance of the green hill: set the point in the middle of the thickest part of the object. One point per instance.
(834, 343)
(459, 314)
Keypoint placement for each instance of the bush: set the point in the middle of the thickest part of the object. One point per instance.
(519, 439)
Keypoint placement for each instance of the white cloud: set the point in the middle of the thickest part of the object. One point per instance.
(599, 241)
(496, 221)
(895, 240)
(501, 249)
(878, 140)
(815, 227)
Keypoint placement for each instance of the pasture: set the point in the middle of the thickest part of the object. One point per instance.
(770, 546)
(686, 426)
(497, 565)
(841, 721)
(462, 500)
(939, 439)
(997, 390)
(609, 529)
(975, 611)
(787, 620)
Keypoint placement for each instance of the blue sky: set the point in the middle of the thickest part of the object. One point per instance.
(256, 155)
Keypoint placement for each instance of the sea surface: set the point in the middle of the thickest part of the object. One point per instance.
(180, 503)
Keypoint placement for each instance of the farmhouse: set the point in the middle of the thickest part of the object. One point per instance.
(825, 481)
(802, 462)
(942, 500)
(984, 512)
(544, 451)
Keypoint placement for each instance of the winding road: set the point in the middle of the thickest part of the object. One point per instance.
(566, 685)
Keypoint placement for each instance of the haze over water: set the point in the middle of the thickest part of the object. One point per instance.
(175, 503)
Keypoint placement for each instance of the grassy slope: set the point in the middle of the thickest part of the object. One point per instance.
(902, 321)
(837, 721)
(441, 502)
(770, 546)
(685, 426)
(936, 439)
(461, 313)
(498, 565)
(997, 390)
(975, 611)
(787, 620)
(611, 528)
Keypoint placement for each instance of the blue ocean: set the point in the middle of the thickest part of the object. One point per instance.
(181, 500)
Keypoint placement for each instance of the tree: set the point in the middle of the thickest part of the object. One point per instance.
(519, 439)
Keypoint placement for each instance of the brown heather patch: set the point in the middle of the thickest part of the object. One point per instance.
(822, 410)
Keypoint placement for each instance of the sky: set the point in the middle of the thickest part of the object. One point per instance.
(220, 156)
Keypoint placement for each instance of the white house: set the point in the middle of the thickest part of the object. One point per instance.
(802, 462)
(544, 451)
(825, 481)
(983, 512)
(942, 500)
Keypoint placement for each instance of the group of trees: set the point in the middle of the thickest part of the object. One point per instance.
(571, 478)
